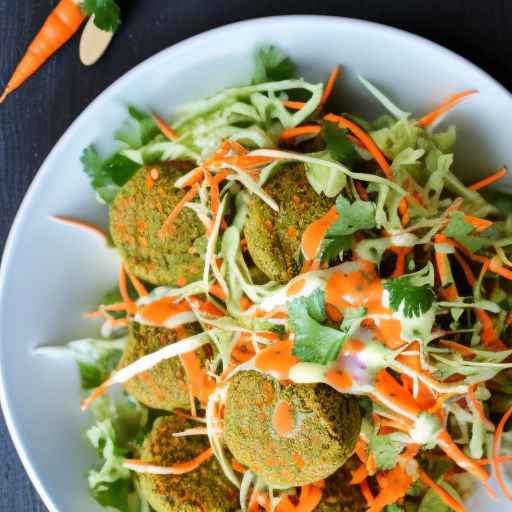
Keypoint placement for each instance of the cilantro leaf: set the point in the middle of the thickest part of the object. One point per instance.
(339, 147)
(138, 130)
(331, 247)
(460, 230)
(386, 450)
(109, 176)
(114, 494)
(271, 64)
(416, 299)
(314, 342)
(107, 14)
(352, 217)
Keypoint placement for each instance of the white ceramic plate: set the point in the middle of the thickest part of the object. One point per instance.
(51, 273)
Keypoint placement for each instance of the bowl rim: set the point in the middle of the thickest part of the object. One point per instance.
(46, 166)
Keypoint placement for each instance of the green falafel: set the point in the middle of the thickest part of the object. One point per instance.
(325, 429)
(164, 386)
(203, 489)
(273, 238)
(136, 218)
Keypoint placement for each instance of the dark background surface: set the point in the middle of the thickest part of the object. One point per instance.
(34, 117)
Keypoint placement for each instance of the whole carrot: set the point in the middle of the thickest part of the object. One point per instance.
(58, 28)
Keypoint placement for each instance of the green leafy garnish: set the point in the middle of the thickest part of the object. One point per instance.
(313, 342)
(107, 14)
(386, 450)
(339, 147)
(271, 64)
(107, 177)
(138, 130)
(432, 501)
(119, 425)
(460, 230)
(414, 292)
(352, 218)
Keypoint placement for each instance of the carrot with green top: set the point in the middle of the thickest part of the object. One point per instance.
(59, 27)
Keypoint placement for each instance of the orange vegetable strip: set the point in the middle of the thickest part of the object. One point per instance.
(445, 496)
(168, 223)
(335, 73)
(401, 253)
(219, 178)
(363, 194)
(294, 105)
(489, 425)
(131, 307)
(485, 462)
(315, 233)
(176, 469)
(201, 385)
(139, 287)
(59, 27)
(447, 444)
(457, 347)
(79, 224)
(403, 208)
(489, 180)
(366, 492)
(165, 128)
(364, 138)
(444, 107)
(470, 277)
(195, 176)
(217, 291)
(359, 475)
(478, 223)
(496, 267)
(393, 486)
(214, 193)
(307, 129)
(496, 447)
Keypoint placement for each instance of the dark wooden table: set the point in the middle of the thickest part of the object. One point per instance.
(33, 119)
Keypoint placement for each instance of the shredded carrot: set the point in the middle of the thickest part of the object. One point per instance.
(364, 138)
(496, 266)
(238, 467)
(307, 129)
(386, 384)
(335, 73)
(444, 107)
(131, 307)
(221, 176)
(486, 462)
(363, 194)
(366, 492)
(403, 208)
(489, 425)
(445, 496)
(496, 447)
(393, 486)
(457, 347)
(214, 193)
(59, 27)
(165, 128)
(468, 273)
(80, 224)
(194, 176)
(201, 385)
(176, 469)
(315, 232)
(167, 226)
(294, 105)
(139, 287)
(489, 180)
(401, 253)
(217, 291)
(359, 475)
(478, 223)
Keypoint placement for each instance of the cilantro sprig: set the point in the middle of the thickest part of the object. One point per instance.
(463, 232)
(414, 292)
(339, 147)
(107, 14)
(313, 342)
(271, 64)
(352, 217)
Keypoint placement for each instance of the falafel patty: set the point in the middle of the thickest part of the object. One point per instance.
(136, 217)
(164, 386)
(203, 489)
(273, 238)
(324, 428)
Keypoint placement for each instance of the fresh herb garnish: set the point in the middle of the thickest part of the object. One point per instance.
(414, 292)
(271, 64)
(339, 147)
(139, 129)
(313, 342)
(107, 177)
(107, 14)
(386, 450)
(460, 230)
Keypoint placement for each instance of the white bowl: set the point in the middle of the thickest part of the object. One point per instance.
(51, 273)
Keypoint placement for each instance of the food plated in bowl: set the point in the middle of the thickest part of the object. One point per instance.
(324, 318)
